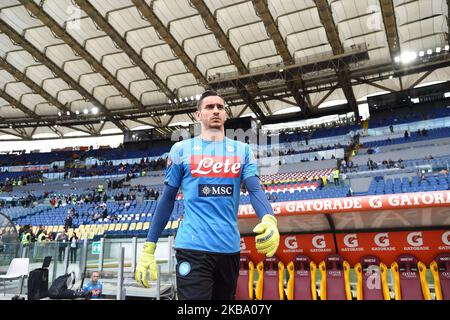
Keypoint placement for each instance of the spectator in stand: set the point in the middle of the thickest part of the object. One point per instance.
(62, 240)
(343, 165)
(52, 202)
(350, 165)
(406, 135)
(73, 247)
(97, 215)
(68, 222)
(152, 194)
(104, 210)
(49, 236)
(320, 186)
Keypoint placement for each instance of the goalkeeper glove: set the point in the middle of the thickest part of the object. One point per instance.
(146, 262)
(267, 242)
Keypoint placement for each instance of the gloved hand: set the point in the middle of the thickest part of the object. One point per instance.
(146, 262)
(267, 242)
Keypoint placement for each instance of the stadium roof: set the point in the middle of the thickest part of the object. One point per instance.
(79, 67)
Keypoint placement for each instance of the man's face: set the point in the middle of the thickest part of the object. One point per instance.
(212, 113)
(95, 277)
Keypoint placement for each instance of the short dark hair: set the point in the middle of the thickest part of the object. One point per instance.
(208, 93)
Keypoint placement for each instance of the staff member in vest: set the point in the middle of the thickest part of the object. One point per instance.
(209, 169)
(41, 238)
(336, 177)
(26, 236)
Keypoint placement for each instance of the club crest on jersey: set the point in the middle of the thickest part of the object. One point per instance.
(184, 268)
(215, 166)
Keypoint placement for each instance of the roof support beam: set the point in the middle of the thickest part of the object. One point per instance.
(123, 44)
(166, 123)
(12, 133)
(448, 20)
(59, 133)
(376, 85)
(23, 133)
(91, 129)
(273, 97)
(39, 56)
(316, 107)
(18, 105)
(390, 25)
(144, 122)
(343, 73)
(418, 81)
(59, 31)
(78, 129)
(20, 76)
(211, 22)
(221, 37)
(293, 83)
(250, 101)
(149, 15)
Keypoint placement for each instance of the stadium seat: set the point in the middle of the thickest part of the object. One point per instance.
(244, 288)
(410, 278)
(335, 282)
(302, 279)
(440, 268)
(270, 279)
(372, 281)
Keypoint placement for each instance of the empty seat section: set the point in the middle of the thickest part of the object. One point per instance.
(440, 268)
(270, 285)
(410, 278)
(302, 279)
(335, 282)
(371, 279)
(244, 288)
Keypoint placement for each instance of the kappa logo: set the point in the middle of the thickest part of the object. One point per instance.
(446, 238)
(382, 240)
(319, 242)
(291, 242)
(415, 239)
(351, 240)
